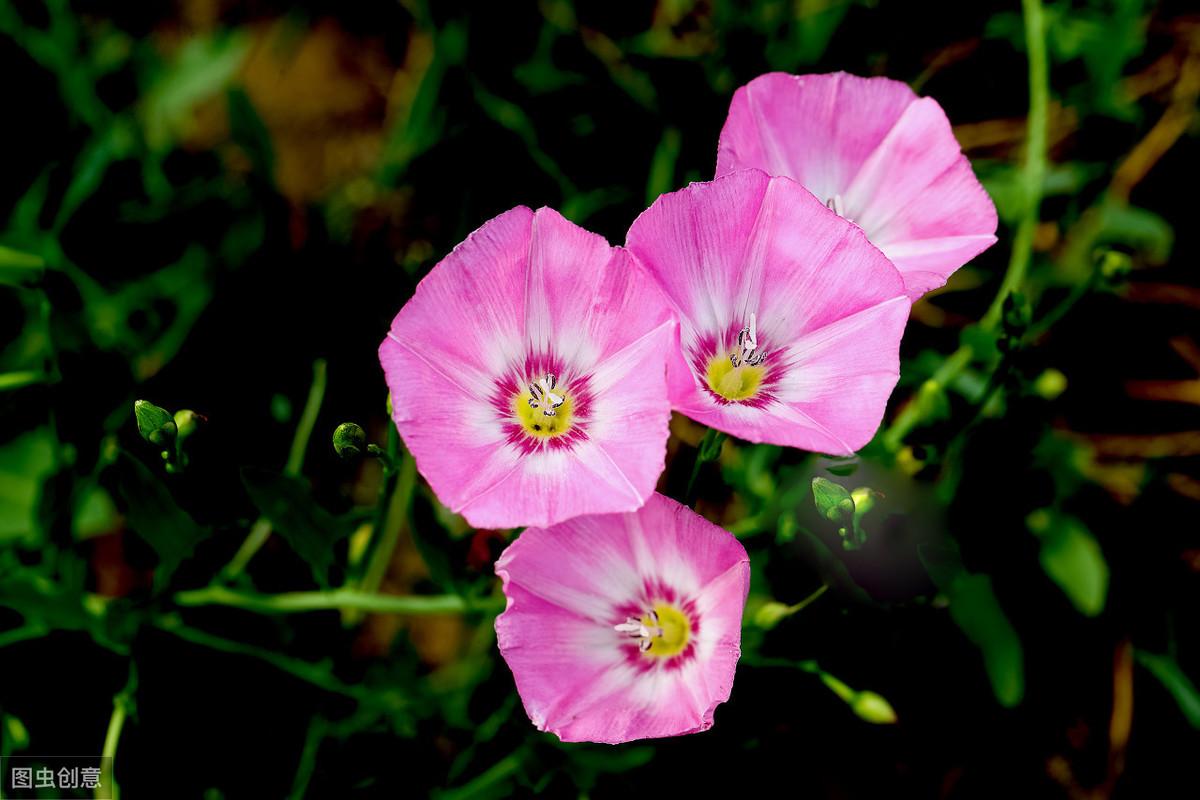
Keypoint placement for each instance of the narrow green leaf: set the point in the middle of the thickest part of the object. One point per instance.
(974, 607)
(1181, 687)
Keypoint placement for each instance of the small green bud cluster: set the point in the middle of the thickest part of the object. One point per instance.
(166, 431)
(844, 508)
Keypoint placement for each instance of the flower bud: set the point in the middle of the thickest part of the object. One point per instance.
(771, 614)
(1050, 384)
(155, 424)
(832, 500)
(349, 440)
(873, 708)
(188, 422)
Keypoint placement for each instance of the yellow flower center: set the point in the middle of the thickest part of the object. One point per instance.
(662, 632)
(543, 409)
(675, 631)
(734, 383)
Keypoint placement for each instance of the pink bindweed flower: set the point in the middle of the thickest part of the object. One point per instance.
(527, 374)
(624, 626)
(875, 153)
(790, 320)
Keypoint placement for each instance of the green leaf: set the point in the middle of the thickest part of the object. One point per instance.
(310, 530)
(1181, 687)
(1072, 558)
(95, 513)
(24, 463)
(974, 607)
(661, 178)
(155, 517)
(977, 612)
(201, 68)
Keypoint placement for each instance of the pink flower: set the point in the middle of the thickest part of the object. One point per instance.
(875, 153)
(790, 320)
(527, 375)
(624, 626)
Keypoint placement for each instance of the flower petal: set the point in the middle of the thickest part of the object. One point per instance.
(800, 268)
(886, 156)
(452, 433)
(567, 585)
(815, 129)
(468, 312)
(526, 290)
(575, 283)
(917, 186)
(693, 243)
(841, 375)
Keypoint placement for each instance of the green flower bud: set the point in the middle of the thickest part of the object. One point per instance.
(188, 422)
(832, 500)
(1050, 384)
(864, 500)
(771, 614)
(155, 424)
(873, 708)
(349, 440)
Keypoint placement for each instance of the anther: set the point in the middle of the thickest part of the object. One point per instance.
(541, 393)
(747, 346)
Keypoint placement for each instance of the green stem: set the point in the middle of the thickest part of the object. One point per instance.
(1077, 293)
(383, 504)
(913, 414)
(1033, 176)
(20, 269)
(308, 419)
(17, 380)
(261, 530)
(500, 771)
(1033, 171)
(391, 523)
(806, 602)
(308, 757)
(22, 634)
(710, 450)
(315, 674)
(122, 703)
(339, 599)
(259, 533)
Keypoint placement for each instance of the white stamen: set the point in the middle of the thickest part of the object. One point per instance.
(836, 205)
(540, 392)
(747, 345)
(639, 630)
